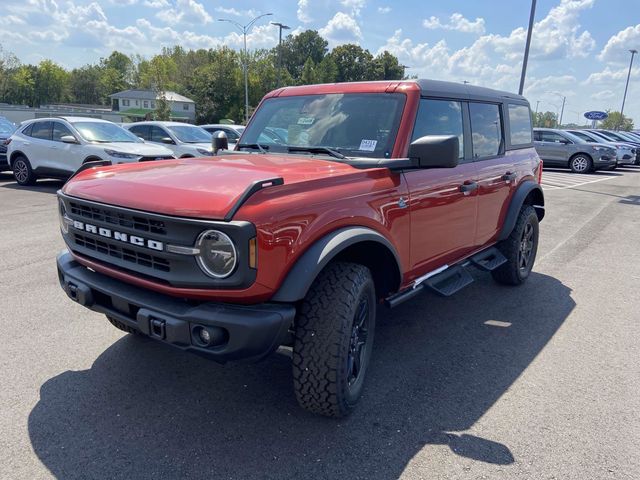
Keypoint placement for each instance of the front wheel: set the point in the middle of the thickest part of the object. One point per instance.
(580, 164)
(519, 248)
(333, 339)
(22, 171)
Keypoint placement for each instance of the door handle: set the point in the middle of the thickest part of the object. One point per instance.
(509, 177)
(468, 187)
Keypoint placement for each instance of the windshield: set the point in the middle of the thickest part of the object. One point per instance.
(574, 138)
(585, 136)
(190, 134)
(104, 132)
(356, 124)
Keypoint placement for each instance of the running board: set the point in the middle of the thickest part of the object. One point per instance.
(489, 259)
(450, 281)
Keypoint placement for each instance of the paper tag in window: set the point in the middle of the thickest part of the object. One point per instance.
(368, 145)
(306, 121)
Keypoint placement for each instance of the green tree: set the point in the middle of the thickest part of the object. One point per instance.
(387, 67)
(354, 63)
(296, 49)
(52, 83)
(85, 85)
(327, 70)
(616, 121)
(308, 75)
(545, 120)
(22, 85)
(8, 65)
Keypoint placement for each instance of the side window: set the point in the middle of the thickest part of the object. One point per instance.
(27, 130)
(486, 129)
(141, 131)
(439, 117)
(519, 124)
(551, 137)
(157, 134)
(232, 136)
(537, 136)
(41, 130)
(59, 131)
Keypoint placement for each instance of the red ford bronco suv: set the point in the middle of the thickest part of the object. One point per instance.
(338, 199)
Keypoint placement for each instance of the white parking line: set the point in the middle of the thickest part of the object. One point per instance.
(552, 180)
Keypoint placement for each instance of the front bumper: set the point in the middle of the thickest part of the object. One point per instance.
(248, 332)
(605, 162)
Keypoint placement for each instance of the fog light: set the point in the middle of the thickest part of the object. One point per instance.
(204, 336)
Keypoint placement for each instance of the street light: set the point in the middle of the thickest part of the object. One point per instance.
(633, 52)
(564, 98)
(244, 29)
(526, 46)
(281, 26)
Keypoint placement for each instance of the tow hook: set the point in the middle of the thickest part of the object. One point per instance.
(157, 328)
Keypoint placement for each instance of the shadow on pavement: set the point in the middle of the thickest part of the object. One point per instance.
(44, 186)
(145, 410)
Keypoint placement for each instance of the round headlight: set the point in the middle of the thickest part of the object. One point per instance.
(217, 257)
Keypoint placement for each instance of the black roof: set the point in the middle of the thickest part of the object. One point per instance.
(438, 88)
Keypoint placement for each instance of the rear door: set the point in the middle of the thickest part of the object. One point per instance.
(552, 148)
(443, 201)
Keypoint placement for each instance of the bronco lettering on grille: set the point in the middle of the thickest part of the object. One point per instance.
(120, 236)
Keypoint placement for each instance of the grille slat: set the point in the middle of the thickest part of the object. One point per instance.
(119, 219)
(119, 252)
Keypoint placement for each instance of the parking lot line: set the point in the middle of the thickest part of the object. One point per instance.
(553, 180)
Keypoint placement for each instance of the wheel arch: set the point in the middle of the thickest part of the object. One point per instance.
(16, 154)
(91, 158)
(350, 244)
(528, 193)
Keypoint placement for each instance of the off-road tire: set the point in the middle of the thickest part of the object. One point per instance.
(324, 329)
(121, 326)
(22, 171)
(581, 163)
(511, 273)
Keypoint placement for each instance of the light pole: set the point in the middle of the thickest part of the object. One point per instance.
(526, 47)
(633, 52)
(281, 26)
(564, 99)
(244, 29)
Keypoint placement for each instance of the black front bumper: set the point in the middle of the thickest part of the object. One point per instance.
(248, 332)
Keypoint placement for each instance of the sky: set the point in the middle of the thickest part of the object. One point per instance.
(580, 48)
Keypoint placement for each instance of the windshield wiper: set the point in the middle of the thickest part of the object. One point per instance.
(327, 150)
(254, 146)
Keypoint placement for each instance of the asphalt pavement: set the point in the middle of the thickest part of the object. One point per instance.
(535, 382)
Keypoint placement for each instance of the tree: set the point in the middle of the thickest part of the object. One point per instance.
(545, 120)
(308, 75)
(387, 67)
(616, 121)
(354, 63)
(85, 85)
(22, 85)
(296, 49)
(51, 83)
(327, 70)
(8, 65)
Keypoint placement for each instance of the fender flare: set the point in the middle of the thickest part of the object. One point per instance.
(515, 206)
(307, 267)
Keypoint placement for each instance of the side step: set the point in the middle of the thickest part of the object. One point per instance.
(489, 259)
(450, 281)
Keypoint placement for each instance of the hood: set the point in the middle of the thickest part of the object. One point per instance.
(145, 149)
(196, 187)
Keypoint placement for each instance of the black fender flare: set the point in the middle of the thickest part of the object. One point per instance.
(300, 277)
(518, 199)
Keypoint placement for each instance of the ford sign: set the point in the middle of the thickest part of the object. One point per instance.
(596, 115)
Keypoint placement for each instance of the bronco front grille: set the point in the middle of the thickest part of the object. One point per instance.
(118, 218)
(122, 253)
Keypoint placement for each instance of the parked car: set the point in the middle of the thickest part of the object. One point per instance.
(608, 136)
(57, 147)
(6, 130)
(378, 193)
(625, 153)
(635, 140)
(183, 139)
(558, 148)
(233, 132)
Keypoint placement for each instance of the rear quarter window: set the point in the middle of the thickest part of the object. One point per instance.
(520, 124)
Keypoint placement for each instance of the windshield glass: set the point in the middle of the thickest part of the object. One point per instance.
(104, 132)
(190, 134)
(574, 138)
(586, 137)
(356, 124)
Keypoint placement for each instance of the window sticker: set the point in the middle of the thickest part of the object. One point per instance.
(368, 145)
(306, 121)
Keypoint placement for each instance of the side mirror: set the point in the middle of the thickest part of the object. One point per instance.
(219, 142)
(435, 151)
(69, 139)
(167, 140)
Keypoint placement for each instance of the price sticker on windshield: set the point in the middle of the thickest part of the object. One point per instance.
(306, 120)
(368, 145)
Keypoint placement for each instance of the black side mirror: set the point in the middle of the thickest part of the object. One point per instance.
(435, 151)
(219, 142)
(167, 140)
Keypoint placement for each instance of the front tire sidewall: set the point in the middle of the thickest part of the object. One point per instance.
(22, 171)
(581, 164)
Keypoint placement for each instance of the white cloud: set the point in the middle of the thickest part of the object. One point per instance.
(156, 3)
(185, 11)
(603, 95)
(618, 46)
(384, 10)
(609, 76)
(261, 36)
(303, 11)
(238, 13)
(354, 6)
(342, 28)
(456, 22)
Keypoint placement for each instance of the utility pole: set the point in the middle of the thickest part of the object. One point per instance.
(624, 97)
(562, 110)
(535, 117)
(281, 26)
(526, 47)
(245, 64)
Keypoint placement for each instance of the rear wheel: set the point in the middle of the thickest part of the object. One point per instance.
(580, 163)
(333, 339)
(519, 248)
(22, 171)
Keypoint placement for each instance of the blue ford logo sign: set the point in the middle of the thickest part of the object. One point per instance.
(596, 115)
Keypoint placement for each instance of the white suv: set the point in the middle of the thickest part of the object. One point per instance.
(184, 139)
(57, 147)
